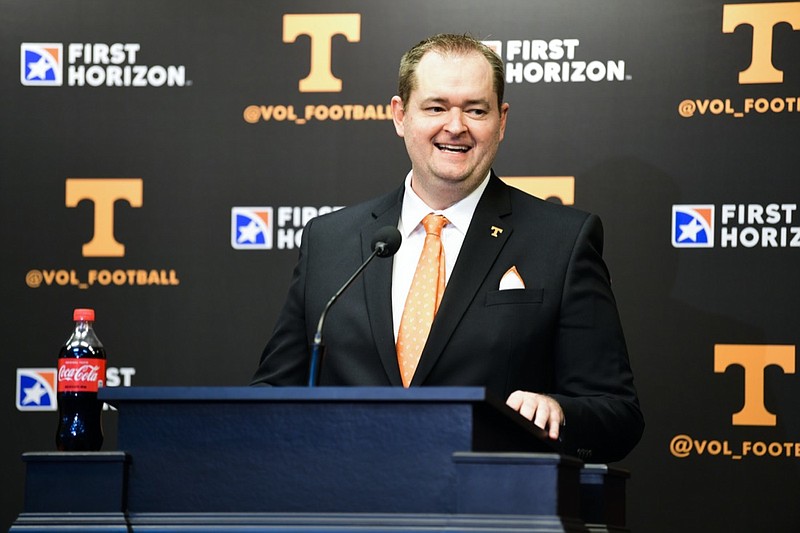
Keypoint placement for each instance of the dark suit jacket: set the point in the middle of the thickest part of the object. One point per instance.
(560, 335)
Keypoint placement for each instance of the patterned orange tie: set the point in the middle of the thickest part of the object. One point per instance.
(423, 299)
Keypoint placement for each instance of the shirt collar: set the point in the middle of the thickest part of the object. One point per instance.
(459, 214)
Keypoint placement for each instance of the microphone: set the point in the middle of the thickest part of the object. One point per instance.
(385, 243)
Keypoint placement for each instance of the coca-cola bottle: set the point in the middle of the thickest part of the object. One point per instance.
(81, 371)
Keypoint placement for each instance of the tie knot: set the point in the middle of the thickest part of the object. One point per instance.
(434, 223)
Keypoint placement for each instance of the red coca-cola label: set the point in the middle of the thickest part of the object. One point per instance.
(81, 375)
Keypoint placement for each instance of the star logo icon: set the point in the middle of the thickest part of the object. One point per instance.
(690, 231)
(36, 389)
(39, 69)
(34, 394)
(40, 64)
(251, 228)
(249, 233)
(693, 226)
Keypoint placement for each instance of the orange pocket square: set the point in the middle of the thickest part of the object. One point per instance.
(511, 280)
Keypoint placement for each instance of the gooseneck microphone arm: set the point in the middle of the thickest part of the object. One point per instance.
(385, 243)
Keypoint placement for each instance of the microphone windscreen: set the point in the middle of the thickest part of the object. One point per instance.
(386, 241)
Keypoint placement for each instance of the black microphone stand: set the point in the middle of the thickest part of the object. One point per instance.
(385, 243)
(318, 348)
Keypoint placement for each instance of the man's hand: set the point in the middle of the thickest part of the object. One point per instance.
(542, 410)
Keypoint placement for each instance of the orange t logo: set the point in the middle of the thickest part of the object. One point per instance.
(763, 18)
(321, 29)
(103, 193)
(754, 358)
(545, 187)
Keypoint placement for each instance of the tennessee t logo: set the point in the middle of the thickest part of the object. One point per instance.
(754, 358)
(545, 187)
(321, 29)
(103, 193)
(763, 18)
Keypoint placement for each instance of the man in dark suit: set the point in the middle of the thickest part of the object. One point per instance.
(528, 311)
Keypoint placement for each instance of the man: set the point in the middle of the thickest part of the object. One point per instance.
(527, 312)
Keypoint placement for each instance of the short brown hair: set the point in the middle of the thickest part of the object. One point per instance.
(447, 43)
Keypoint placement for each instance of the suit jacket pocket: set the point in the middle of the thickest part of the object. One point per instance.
(515, 296)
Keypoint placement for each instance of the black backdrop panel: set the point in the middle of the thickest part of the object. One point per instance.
(206, 156)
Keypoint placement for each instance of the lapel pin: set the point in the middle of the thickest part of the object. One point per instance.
(496, 231)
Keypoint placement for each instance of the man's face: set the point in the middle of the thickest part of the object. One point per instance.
(451, 126)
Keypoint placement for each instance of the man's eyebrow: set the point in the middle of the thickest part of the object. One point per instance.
(441, 100)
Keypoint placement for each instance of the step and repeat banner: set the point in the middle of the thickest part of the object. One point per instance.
(159, 160)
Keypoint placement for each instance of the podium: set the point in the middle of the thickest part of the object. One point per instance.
(318, 459)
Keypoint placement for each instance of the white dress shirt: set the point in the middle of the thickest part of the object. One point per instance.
(410, 225)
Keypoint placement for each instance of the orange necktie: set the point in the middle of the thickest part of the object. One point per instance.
(423, 299)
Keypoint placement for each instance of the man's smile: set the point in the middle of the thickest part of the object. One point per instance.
(453, 148)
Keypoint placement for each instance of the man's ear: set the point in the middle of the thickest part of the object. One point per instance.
(398, 114)
(503, 118)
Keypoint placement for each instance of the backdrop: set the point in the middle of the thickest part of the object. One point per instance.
(159, 159)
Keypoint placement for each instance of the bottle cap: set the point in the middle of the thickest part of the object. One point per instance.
(86, 315)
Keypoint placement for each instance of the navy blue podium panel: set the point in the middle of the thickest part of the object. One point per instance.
(319, 459)
(75, 491)
(603, 497)
(518, 483)
(320, 450)
(75, 481)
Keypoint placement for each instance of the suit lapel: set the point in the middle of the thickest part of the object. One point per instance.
(482, 244)
(378, 286)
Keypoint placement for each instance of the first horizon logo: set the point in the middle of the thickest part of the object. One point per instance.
(95, 65)
(37, 387)
(693, 226)
(770, 225)
(256, 228)
(40, 64)
(553, 61)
